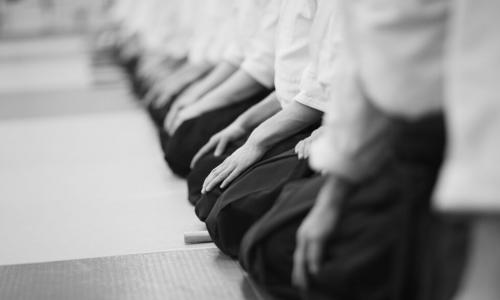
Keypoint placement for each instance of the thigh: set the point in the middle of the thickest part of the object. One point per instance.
(206, 202)
(250, 197)
(183, 145)
(267, 248)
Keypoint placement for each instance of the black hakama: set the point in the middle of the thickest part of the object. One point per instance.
(180, 148)
(375, 251)
(229, 213)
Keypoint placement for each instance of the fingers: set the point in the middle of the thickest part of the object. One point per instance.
(204, 150)
(176, 124)
(217, 176)
(305, 149)
(171, 116)
(299, 277)
(296, 149)
(150, 96)
(174, 114)
(302, 149)
(307, 257)
(314, 255)
(299, 149)
(221, 147)
(232, 176)
(164, 99)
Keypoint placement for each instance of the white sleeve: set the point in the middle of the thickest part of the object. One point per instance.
(312, 93)
(260, 54)
(357, 136)
(325, 42)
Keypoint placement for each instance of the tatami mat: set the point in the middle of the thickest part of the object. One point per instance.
(42, 47)
(87, 186)
(16, 106)
(177, 275)
(36, 74)
(44, 64)
(88, 209)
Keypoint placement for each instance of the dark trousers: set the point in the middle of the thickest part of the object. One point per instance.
(381, 247)
(180, 148)
(229, 213)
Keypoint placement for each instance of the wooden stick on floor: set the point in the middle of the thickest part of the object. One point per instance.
(197, 237)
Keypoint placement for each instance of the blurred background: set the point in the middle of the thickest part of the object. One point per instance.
(24, 18)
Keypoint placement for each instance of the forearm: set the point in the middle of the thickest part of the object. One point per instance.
(239, 87)
(217, 76)
(185, 75)
(353, 146)
(284, 124)
(258, 113)
(332, 193)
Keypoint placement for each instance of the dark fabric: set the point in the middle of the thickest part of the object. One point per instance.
(180, 148)
(158, 114)
(228, 214)
(249, 197)
(207, 163)
(201, 170)
(137, 86)
(267, 248)
(378, 249)
(130, 65)
(140, 87)
(440, 256)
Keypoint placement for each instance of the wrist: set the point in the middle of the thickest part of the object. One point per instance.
(336, 190)
(241, 124)
(255, 140)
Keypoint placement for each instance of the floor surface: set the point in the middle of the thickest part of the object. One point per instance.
(81, 171)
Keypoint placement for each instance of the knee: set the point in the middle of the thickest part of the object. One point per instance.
(204, 206)
(158, 114)
(228, 225)
(198, 174)
(225, 232)
(164, 138)
(270, 262)
(182, 147)
(177, 157)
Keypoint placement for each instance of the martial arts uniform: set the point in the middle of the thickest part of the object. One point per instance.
(180, 148)
(230, 212)
(469, 183)
(146, 24)
(386, 137)
(209, 35)
(155, 23)
(123, 14)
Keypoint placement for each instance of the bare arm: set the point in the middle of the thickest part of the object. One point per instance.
(217, 76)
(285, 123)
(240, 127)
(239, 87)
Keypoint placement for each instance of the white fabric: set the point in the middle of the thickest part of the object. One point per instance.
(178, 44)
(398, 46)
(212, 31)
(354, 140)
(247, 15)
(292, 47)
(470, 180)
(161, 26)
(325, 40)
(122, 10)
(447, 57)
(260, 52)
